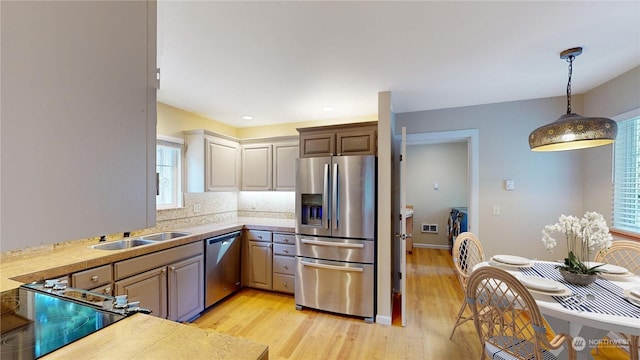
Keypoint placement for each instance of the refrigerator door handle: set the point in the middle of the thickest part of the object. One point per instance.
(332, 267)
(335, 216)
(331, 243)
(325, 198)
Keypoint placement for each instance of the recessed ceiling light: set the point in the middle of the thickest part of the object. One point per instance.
(327, 108)
(247, 117)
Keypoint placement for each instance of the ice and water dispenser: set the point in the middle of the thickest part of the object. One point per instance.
(311, 209)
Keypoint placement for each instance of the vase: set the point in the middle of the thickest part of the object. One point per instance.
(578, 279)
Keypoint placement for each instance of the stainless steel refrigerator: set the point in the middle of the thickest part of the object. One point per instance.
(336, 234)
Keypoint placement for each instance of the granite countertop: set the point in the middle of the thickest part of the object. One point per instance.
(139, 336)
(146, 337)
(77, 256)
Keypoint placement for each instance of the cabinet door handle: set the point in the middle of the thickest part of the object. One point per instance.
(94, 278)
(172, 268)
(163, 270)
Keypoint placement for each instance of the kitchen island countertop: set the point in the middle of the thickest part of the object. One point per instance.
(146, 337)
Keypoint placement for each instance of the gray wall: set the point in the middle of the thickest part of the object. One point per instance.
(446, 165)
(546, 184)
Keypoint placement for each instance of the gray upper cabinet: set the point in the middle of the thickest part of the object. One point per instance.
(78, 79)
(212, 162)
(257, 167)
(269, 165)
(344, 139)
(284, 169)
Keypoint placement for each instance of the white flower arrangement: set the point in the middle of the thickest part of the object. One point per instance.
(583, 236)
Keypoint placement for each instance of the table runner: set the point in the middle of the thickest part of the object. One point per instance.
(609, 297)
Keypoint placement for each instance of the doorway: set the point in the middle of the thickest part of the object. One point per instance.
(471, 138)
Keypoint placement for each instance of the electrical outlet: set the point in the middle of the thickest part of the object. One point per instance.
(496, 210)
(197, 208)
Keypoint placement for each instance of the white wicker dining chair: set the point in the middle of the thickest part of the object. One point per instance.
(625, 253)
(467, 252)
(507, 319)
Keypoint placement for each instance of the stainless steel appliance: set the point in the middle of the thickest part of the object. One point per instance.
(39, 320)
(335, 234)
(222, 267)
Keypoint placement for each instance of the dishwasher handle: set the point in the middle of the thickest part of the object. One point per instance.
(224, 237)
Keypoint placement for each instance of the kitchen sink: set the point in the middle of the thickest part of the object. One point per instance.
(164, 236)
(122, 244)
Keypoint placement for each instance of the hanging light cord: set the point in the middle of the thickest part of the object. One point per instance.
(570, 60)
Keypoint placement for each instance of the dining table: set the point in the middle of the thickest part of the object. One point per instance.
(588, 313)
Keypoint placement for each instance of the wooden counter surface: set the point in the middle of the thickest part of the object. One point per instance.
(146, 337)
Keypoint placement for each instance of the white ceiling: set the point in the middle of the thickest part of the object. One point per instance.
(285, 61)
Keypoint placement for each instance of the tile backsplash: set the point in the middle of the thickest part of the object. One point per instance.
(226, 207)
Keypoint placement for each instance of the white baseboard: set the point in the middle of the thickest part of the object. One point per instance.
(431, 246)
(383, 320)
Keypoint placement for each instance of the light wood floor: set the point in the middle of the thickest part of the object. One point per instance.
(433, 300)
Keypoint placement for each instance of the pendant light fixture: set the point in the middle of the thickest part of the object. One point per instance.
(572, 131)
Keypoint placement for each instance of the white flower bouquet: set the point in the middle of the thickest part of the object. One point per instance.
(584, 236)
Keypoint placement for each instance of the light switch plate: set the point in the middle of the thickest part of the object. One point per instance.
(509, 184)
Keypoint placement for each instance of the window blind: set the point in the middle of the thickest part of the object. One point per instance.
(626, 181)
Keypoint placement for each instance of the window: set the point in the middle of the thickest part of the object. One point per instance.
(626, 175)
(169, 172)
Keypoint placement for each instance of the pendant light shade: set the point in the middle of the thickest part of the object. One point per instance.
(572, 131)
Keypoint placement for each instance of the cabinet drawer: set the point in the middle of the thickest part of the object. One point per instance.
(284, 264)
(282, 249)
(92, 278)
(283, 283)
(126, 268)
(258, 235)
(284, 238)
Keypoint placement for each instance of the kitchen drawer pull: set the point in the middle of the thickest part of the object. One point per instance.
(94, 278)
(330, 243)
(332, 267)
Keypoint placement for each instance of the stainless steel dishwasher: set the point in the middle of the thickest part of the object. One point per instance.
(222, 267)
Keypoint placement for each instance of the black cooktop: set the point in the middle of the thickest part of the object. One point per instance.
(40, 320)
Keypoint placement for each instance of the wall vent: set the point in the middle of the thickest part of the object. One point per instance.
(430, 228)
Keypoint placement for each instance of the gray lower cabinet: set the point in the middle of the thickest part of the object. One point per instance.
(284, 262)
(186, 290)
(170, 282)
(98, 279)
(150, 288)
(270, 260)
(258, 262)
(260, 265)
